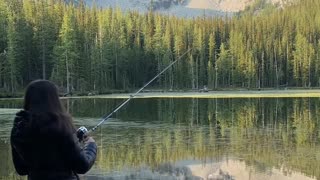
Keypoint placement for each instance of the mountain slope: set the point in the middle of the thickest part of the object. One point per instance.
(170, 7)
(229, 5)
(184, 8)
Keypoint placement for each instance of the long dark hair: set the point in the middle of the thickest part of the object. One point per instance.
(42, 100)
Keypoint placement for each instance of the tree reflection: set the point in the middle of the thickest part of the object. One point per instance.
(267, 133)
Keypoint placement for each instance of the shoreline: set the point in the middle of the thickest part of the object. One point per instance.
(208, 95)
(214, 94)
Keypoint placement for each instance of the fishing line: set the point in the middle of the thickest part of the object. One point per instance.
(82, 130)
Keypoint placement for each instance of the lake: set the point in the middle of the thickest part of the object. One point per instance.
(173, 138)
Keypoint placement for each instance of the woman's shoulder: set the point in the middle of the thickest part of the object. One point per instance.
(38, 124)
(21, 116)
(21, 130)
(21, 120)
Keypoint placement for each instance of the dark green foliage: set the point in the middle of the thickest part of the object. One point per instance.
(88, 49)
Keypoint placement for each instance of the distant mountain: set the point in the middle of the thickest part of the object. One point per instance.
(182, 8)
(230, 5)
(170, 7)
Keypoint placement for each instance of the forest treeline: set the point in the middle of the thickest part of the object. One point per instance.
(91, 49)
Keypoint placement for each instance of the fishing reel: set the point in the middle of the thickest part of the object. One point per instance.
(82, 133)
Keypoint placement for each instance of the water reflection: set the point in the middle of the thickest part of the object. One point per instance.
(198, 138)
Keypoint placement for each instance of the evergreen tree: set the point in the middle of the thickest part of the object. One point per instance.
(87, 48)
(67, 53)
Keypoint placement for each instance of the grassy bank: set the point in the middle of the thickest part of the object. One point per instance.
(230, 93)
(219, 94)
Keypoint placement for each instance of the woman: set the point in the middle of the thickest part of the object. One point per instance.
(43, 141)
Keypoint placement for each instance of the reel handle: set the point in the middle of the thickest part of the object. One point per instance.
(82, 133)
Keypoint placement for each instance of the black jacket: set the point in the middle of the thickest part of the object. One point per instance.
(43, 152)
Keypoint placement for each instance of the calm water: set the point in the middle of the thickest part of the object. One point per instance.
(195, 138)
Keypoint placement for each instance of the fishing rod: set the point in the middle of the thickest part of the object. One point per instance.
(82, 131)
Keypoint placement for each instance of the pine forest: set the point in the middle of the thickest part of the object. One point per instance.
(87, 49)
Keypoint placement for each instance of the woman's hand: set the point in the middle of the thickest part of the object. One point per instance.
(89, 139)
